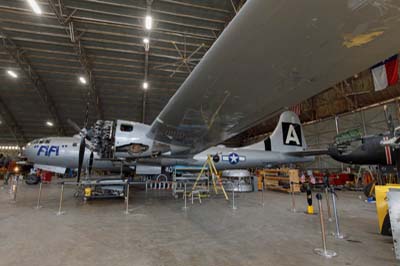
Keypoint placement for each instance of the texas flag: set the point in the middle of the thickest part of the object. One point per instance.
(386, 73)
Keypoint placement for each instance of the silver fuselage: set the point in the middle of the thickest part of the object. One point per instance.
(63, 152)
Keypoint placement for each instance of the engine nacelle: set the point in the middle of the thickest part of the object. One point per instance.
(131, 140)
(123, 139)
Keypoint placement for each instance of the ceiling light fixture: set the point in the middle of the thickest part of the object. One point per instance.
(35, 7)
(148, 22)
(82, 80)
(145, 85)
(49, 123)
(12, 74)
(146, 42)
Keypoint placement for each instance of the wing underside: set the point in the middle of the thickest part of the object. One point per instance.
(272, 55)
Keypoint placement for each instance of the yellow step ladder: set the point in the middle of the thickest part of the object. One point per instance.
(209, 165)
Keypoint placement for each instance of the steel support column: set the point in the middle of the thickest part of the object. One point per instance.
(146, 70)
(337, 124)
(363, 122)
(337, 133)
(146, 64)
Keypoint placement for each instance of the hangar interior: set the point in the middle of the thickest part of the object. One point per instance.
(370, 121)
(80, 77)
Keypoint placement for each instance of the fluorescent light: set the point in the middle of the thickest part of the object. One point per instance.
(12, 74)
(148, 23)
(35, 7)
(146, 42)
(82, 80)
(145, 85)
(49, 123)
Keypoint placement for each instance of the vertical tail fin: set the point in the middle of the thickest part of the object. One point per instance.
(287, 137)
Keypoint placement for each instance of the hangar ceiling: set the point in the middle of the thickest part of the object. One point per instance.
(101, 40)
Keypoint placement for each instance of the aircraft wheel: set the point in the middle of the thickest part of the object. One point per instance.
(386, 227)
(32, 179)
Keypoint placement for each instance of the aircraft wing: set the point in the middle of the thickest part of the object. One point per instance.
(274, 54)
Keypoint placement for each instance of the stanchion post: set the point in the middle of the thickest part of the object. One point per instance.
(262, 193)
(127, 198)
(293, 209)
(310, 208)
(185, 198)
(38, 206)
(60, 212)
(328, 205)
(323, 251)
(233, 198)
(337, 234)
(15, 188)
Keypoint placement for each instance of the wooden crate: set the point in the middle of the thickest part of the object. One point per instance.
(279, 179)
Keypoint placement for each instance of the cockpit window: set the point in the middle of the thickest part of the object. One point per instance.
(40, 141)
(35, 142)
(47, 141)
(126, 128)
(74, 144)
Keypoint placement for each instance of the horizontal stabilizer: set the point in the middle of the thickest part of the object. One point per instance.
(308, 152)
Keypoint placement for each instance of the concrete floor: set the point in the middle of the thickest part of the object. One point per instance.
(159, 233)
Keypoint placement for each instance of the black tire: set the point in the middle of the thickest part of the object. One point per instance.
(386, 227)
(32, 179)
(367, 190)
(216, 158)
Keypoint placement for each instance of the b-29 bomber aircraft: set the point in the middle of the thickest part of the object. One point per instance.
(272, 55)
(123, 142)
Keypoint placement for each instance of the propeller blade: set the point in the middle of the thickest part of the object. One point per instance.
(90, 163)
(73, 125)
(82, 148)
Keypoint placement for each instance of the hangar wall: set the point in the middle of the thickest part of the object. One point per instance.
(370, 121)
